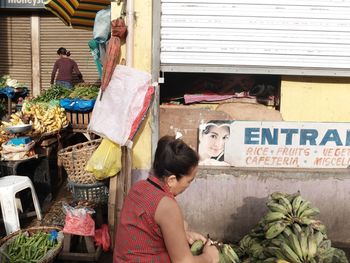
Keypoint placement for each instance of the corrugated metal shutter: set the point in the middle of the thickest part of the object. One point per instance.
(16, 54)
(256, 36)
(53, 35)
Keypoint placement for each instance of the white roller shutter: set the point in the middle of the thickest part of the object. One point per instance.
(16, 53)
(53, 35)
(303, 37)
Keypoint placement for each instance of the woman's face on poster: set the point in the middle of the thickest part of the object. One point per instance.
(213, 142)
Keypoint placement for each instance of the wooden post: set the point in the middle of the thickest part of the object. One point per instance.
(112, 201)
(119, 187)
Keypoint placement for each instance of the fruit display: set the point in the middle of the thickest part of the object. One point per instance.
(226, 252)
(42, 119)
(46, 120)
(290, 233)
(17, 118)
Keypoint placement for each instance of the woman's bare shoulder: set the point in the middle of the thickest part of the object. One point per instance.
(167, 207)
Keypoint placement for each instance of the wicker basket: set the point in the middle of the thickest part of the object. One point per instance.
(97, 192)
(74, 159)
(50, 255)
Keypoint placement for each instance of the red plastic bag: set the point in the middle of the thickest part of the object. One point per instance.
(102, 237)
(78, 221)
(79, 225)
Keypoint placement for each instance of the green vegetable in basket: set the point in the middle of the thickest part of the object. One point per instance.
(56, 92)
(28, 248)
(85, 92)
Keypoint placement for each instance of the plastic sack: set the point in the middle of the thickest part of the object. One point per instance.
(122, 101)
(96, 54)
(102, 237)
(105, 161)
(11, 152)
(78, 221)
(102, 25)
(77, 104)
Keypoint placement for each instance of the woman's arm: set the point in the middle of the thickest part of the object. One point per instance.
(77, 71)
(169, 217)
(192, 236)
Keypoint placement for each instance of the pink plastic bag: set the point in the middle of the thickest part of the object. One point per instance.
(102, 237)
(79, 225)
(78, 221)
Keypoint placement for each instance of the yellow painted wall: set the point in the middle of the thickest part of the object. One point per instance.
(142, 61)
(323, 99)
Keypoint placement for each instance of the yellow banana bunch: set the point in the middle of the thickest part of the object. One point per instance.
(15, 119)
(48, 120)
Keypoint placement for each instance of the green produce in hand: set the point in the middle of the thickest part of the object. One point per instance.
(197, 247)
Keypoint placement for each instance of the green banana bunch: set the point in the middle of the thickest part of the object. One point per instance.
(298, 245)
(297, 201)
(289, 233)
(277, 207)
(278, 195)
(197, 247)
(258, 231)
(245, 242)
(302, 207)
(290, 254)
(227, 254)
(275, 228)
(274, 216)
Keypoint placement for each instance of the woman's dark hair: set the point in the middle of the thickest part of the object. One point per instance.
(173, 157)
(63, 51)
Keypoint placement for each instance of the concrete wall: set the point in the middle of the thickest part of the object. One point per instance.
(228, 203)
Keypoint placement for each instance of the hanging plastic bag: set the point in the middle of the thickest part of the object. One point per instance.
(105, 161)
(102, 237)
(96, 54)
(114, 114)
(102, 25)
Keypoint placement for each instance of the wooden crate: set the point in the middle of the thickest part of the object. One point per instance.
(78, 120)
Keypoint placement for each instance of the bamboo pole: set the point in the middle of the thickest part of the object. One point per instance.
(119, 187)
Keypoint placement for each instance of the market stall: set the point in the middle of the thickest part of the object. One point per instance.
(32, 136)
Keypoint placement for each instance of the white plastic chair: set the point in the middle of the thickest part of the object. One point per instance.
(9, 186)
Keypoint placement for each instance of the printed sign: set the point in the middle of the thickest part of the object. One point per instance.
(25, 4)
(288, 144)
(212, 137)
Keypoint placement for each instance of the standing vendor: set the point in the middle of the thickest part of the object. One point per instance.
(65, 67)
(151, 227)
